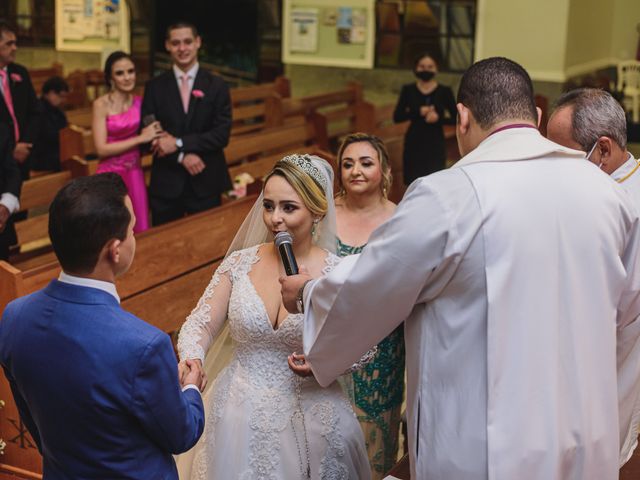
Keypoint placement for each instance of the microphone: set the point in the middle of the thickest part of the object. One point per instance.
(284, 244)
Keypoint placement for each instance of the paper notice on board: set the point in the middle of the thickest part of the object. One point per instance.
(304, 30)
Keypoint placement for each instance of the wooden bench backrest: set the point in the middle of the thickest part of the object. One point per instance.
(350, 95)
(258, 106)
(163, 254)
(75, 142)
(40, 75)
(40, 191)
(80, 117)
(269, 141)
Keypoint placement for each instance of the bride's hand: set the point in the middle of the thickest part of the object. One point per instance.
(191, 372)
(298, 365)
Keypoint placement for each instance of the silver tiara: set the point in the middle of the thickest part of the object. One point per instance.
(306, 164)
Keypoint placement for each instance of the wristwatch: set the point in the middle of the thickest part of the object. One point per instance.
(300, 298)
(179, 144)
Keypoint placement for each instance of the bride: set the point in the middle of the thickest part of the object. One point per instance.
(263, 421)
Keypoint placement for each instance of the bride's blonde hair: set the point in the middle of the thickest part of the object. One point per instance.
(310, 191)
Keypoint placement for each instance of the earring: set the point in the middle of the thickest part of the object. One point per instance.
(313, 227)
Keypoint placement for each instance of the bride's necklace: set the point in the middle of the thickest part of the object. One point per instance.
(300, 414)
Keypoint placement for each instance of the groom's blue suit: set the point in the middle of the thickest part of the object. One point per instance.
(96, 386)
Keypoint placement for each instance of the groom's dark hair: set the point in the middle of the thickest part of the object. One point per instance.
(84, 215)
(181, 24)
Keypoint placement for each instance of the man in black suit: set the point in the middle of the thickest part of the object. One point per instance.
(19, 106)
(189, 171)
(10, 183)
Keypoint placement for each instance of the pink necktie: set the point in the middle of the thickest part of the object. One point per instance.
(184, 92)
(6, 92)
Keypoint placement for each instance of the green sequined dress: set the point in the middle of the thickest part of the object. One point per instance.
(378, 391)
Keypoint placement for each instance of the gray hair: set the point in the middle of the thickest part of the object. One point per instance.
(595, 114)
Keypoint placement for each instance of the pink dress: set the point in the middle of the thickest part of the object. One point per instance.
(121, 127)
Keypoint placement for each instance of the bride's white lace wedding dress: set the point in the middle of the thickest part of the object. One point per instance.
(263, 421)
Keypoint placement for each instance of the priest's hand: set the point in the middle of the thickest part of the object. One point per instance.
(292, 286)
(298, 365)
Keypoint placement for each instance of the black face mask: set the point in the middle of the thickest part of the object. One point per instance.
(425, 75)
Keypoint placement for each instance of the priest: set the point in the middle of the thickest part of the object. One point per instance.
(514, 272)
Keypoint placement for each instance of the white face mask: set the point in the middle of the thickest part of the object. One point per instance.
(591, 152)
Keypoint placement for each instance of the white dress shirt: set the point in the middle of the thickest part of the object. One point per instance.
(108, 287)
(191, 77)
(10, 201)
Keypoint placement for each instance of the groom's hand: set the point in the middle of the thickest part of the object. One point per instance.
(291, 286)
(190, 372)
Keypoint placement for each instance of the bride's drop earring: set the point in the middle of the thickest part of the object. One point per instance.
(313, 228)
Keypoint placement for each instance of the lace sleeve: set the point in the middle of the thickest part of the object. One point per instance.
(331, 261)
(207, 319)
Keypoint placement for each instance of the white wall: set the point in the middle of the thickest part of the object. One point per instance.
(624, 36)
(533, 33)
(589, 31)
(558, 39)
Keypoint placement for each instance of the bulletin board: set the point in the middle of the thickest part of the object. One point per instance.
(338, 33)
(92, 25)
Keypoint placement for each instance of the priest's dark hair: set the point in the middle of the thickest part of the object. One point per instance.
(497, 89)
(85, 214)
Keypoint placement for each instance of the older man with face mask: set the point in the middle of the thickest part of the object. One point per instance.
(591, 120)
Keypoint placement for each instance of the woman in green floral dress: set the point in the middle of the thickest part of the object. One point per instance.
(364, 177)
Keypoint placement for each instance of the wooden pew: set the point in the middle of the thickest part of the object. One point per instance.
(40, 75)
(80, 117)
(38, 193)
(333, 113)
(258, 106)
(172, 267)
(256, 153)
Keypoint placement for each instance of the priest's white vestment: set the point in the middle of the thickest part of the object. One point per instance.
(628, 176)
(515, 270)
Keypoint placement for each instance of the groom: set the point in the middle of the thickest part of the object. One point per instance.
(96, 387)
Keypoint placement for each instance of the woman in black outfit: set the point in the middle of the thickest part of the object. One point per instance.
(429, 106)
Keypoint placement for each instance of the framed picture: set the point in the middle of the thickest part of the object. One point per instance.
(337, 33)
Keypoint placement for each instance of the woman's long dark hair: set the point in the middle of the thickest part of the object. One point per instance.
(108, 64)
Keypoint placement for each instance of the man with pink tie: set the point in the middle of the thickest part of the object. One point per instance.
(19, 106)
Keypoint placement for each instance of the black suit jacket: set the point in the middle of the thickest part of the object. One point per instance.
(46, 150)
(25, 107)
(10, 182)
(204, 129)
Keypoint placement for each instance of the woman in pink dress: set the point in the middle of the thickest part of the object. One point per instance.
(117, 135)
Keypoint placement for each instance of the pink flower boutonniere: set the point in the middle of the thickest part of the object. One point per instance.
(15, 77)
(197, 93)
